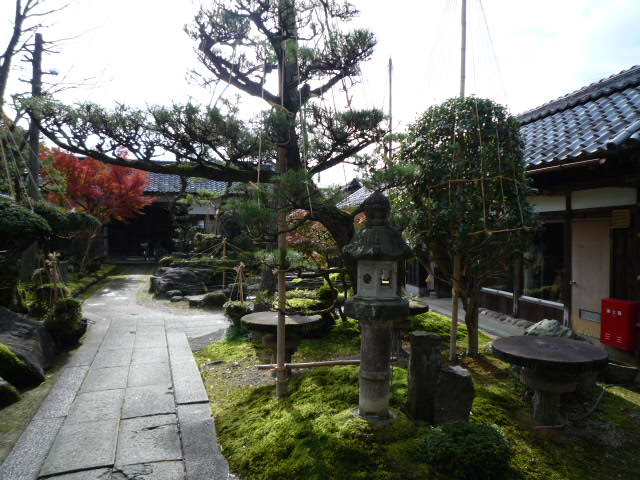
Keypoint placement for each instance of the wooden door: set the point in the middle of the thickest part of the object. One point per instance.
(590, 268)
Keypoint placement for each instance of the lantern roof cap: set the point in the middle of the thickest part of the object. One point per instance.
(377, 240)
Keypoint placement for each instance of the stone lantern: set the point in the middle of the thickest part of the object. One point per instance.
(377, 250)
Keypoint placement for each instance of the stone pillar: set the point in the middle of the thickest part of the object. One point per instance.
(547, 388)
(375, 352)
(424, 367)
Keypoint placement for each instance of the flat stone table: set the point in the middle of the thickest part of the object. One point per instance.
(266, 325)
(551, 367)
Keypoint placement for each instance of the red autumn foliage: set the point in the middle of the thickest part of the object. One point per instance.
(312, 239)
(108, 192)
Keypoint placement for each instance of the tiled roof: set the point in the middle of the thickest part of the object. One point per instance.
(594, 121)
(355, 199)
(163, 183)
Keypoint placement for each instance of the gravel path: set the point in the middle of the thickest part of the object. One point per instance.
(130, 404)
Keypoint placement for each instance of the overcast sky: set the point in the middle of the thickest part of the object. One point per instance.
(527, 53)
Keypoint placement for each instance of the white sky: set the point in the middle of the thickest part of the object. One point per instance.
(137, 52)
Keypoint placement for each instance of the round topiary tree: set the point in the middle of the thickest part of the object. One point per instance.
(462, 195)
(467, 451)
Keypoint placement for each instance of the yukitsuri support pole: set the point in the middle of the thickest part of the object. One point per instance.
(224, 269)
(281, 373)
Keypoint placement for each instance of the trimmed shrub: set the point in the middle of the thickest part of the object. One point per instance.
(214, 300)
(15, 371)
(236, 310)
(64, 322)
(327, 294)
(49, 293)
(467, 451)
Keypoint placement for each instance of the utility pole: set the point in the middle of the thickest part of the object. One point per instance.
(455, 290)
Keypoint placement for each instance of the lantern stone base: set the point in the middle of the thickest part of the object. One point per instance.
(375, 420)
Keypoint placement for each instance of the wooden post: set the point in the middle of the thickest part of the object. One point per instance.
(224, 268)
(463, 48)
(455, 294)
(281, 373)
(517, 287)
(455, 291)
(390, 108)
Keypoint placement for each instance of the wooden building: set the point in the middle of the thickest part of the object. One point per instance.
(583, 156)
(150, 232)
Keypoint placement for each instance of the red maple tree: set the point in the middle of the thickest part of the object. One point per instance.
(107, 192)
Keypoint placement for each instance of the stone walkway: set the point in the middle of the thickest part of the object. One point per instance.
(130, 404)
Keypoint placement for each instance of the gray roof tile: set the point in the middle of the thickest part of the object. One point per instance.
(163, 183)
(598, 119)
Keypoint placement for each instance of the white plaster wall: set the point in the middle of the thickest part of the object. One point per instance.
(603, 197)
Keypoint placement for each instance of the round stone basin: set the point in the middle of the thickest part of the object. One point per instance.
(552, 366)
(267, 322)
(560, 355)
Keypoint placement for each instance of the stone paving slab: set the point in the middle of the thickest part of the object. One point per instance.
(202, 456)
(122, 341)
(112, 358)
(150, 355)
(63, 393)
(94, 474)
(96, 406)
(84, 355)
(148, 400)
(178, 345)
(150, 341)
(148, 439)
(151, 471)
(31, 450)
(110, 378)
(82, 446)
(187, 382)
(149, 374)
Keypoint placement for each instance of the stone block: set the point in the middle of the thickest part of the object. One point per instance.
(150, 471)
(454, 395)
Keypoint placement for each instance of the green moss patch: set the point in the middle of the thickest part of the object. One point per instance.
(15, 371)
(313, 434)
(8, 394)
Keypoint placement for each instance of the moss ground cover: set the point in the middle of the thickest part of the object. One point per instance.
(313, 434)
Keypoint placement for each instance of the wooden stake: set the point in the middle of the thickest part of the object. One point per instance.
(224, 255)
(455, 294)
(281, 373)
(463, 48)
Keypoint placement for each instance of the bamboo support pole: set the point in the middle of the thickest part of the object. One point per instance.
(224, 255)
(325, 363)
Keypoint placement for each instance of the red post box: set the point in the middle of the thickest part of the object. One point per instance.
(619, 323)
